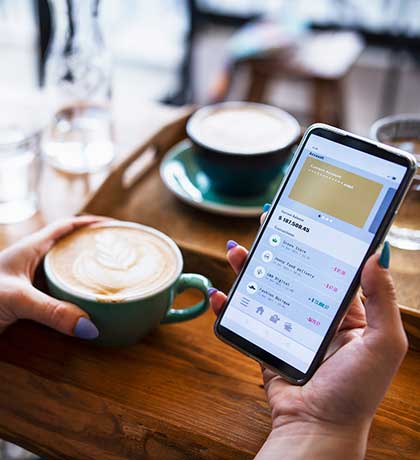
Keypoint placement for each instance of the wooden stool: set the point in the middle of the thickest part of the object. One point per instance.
(320, 59)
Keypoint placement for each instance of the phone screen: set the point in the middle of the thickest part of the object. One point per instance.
(311, 249)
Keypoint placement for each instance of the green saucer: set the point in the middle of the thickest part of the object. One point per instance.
(182, 176)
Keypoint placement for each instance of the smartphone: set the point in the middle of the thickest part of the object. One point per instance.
(333, 208)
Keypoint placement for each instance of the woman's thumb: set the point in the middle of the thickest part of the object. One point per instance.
(381, 305)
(62, 316)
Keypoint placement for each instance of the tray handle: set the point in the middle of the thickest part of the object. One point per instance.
(133, 168)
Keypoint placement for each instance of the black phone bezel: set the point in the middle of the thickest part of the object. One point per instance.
(394, 155)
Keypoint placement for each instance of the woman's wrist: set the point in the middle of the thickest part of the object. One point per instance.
(316, 440)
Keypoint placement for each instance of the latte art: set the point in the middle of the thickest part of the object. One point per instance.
(114, 252)
(114, 262)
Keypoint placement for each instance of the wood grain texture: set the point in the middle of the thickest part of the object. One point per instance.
(180, 394)
(181, 388)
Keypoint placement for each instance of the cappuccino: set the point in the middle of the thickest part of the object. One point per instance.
(114, 262)
(244, 130)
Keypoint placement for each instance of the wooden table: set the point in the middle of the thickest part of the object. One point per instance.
(180, 394)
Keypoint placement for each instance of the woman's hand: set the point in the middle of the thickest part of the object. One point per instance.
(20, 299)
(330, 416)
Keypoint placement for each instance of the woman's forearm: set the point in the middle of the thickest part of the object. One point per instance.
(305, 440)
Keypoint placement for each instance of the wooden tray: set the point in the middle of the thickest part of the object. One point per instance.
(135, 192)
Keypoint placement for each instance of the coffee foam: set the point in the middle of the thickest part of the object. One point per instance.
(243, 130)
(113, 262)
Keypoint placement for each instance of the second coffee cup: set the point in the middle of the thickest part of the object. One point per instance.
(242, 146)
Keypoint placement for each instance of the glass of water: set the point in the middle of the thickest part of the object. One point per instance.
(403, 131)
(78, 85)
(20, 165)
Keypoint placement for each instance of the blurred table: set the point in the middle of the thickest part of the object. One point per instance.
(64, 194)
(179, 394)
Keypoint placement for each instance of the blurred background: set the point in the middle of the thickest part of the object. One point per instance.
(185, 51)
(344, 62)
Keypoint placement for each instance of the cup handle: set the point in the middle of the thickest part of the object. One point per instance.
(186, 281)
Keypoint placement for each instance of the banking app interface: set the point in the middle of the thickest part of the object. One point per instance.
(311, 249)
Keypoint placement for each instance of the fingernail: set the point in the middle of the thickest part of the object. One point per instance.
(266, 207)
(211, 291)
(85, 329)
(231, 244)
(385, 256)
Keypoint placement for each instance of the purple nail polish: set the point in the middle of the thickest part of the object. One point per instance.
(231, 244)
(211, 291)
(85, 329)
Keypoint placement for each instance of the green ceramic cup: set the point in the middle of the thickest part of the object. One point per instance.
(230, 170)
(126, 322)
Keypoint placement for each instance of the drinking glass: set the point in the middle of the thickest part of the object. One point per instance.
(403, 131)
(78, 85)
(20, 165)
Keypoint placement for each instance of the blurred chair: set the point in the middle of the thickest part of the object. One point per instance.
(321, 60)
